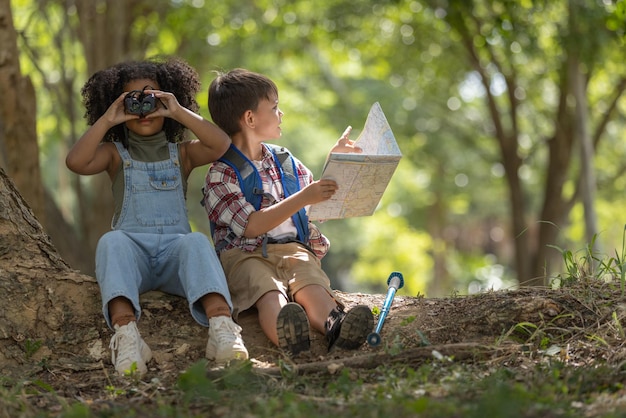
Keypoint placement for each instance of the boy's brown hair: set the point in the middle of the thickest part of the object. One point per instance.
(231, 94)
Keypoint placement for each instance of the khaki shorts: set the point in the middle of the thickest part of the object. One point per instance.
(288, 268)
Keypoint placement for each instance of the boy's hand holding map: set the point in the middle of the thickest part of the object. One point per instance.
(362, 175)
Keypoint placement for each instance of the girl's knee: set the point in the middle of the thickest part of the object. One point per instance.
(113, 241)
(196, 240)
(112, 237)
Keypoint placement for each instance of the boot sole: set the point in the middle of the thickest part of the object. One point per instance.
(355, 328)
(292, 327)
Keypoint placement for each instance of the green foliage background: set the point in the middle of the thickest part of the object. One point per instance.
(331, 60)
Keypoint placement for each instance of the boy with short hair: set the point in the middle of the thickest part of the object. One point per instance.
(268, 248)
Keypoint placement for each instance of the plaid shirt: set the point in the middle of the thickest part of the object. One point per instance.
(228, 208)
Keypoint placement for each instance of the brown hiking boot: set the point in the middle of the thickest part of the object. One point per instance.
(349, 330)
(292, 327)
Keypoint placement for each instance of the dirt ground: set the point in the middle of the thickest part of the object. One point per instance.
(54, 341)
(177, 342)
(481, 328)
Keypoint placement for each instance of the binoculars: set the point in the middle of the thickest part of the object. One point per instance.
(139, 103)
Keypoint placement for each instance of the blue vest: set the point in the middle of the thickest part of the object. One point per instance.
(252, 187)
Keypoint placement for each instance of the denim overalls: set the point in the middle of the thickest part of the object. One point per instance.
(151, 246)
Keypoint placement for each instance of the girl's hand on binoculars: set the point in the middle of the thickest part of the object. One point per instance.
(168, 106)
(116, 113)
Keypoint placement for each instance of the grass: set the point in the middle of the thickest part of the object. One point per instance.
(436, 389)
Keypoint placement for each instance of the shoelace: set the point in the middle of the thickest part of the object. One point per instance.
(126, 351)
(226, 331)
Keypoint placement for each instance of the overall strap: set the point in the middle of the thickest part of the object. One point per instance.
(122, 150)
(173, 148)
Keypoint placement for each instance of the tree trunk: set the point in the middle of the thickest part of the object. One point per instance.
(18, 110)
(45, 304)
(506, 134)
(441, 282)
(521, 233)
(571, 128)
(578, 87)
(553, 215)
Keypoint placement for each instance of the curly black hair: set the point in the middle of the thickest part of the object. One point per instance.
(172, 75)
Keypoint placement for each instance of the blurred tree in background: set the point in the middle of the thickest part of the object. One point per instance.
(510, 116)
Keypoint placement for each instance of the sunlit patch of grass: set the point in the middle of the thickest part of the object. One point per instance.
(587, 266)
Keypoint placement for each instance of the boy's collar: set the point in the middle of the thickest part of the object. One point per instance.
(252, 151)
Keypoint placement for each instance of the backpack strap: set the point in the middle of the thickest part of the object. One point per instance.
(247, 175)
(289, 177)
(251, 185)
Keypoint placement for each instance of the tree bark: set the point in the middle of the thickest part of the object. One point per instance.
(587, 177)
(440, 283)
(44, 302)
(18, 110)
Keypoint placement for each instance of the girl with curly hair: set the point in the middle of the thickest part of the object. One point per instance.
(138, 114)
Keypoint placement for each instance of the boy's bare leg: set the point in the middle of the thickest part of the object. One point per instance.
(317, 303)
(269, 306)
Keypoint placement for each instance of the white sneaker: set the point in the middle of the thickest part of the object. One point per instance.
(127, 347)
(225, 342)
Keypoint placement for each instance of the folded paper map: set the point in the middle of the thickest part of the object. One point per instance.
(362, 177)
